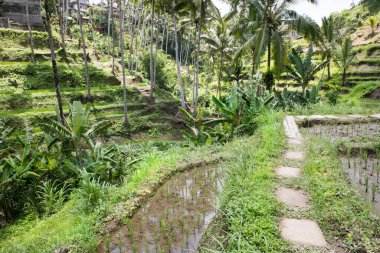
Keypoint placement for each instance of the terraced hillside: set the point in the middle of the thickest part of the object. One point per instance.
(27, 93)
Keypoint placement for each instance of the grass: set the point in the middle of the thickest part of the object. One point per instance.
(340, 211)
(350, 106)
(75, 229)
(248, 209)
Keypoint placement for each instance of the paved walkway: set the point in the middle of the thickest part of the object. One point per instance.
(299, 232)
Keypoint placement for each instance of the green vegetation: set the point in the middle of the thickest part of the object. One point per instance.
(248, 208)
(95, 116)
(346, 217)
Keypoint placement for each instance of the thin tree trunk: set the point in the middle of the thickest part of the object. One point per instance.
(220, 74)
(344, 76)
(113, 40)
(196, 76)
(167, 38)
(93, 36)
(31, 41)
(179, 75)
(151, 54)
(61, 24)
(121, 16)
(54, 64)
(269, 49)
(132, 34)
(141, 45)
(84, 52)
(110, 13)
(163, 34)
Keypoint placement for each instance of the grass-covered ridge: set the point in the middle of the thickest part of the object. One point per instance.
(341, 212)
(248, 210)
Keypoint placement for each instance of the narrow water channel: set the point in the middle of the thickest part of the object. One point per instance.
(174, 219)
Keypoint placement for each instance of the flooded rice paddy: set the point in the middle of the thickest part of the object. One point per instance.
(174, 219)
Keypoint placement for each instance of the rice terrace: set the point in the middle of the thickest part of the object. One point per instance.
(190, 126)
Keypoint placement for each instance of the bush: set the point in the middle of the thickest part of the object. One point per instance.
(166, 77)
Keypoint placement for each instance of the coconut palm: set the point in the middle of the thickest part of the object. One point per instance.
(270, 21)
(197, 11)
(343, 57)
(220, 41)
(329, 34)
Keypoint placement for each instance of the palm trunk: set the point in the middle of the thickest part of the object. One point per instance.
(93, 36)
(344, 76)
(84, 52)
(220, 73)
(61, 24)
(132, 34)
(179, 75)
(151, 54)
(121, 16)
(196, 76)
(269, 49)
(54, 64)
(110, 13)
(142, 39)
(167, 39)
(112, 40)
(31, 41)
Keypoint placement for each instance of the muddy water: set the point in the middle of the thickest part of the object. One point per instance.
(358, 172)
(344, 131)
(174, 219)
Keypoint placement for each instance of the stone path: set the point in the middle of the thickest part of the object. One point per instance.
(300, 232)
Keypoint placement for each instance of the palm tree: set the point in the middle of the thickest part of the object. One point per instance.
(220, 41)
(197, 10)
(343, 57)
(329, 34)
(121, 24)
(80, 21)
(304, 70)
(272, 20)
(31, 41)
(49, 9)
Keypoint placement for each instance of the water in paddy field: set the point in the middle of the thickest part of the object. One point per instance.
(365, 177)
(174, 219)
(344, 131)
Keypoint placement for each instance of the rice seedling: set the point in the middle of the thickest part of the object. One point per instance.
(182, 224)
(187, 234)
(349, 156)
(140, 226)
(107, 242)
(119, 243)
(366, 183)
(373, 191)
(131, 234)
(365, 158)
(377, 172)
(135, 248)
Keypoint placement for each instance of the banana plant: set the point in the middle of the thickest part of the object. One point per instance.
(199, 127)
(15, 170)
(303, 70)
(77, 135)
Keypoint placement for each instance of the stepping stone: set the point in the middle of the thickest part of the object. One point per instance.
(288, 172)
(292, 197)
(294, 155)
(302, 232)
(294, 141)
